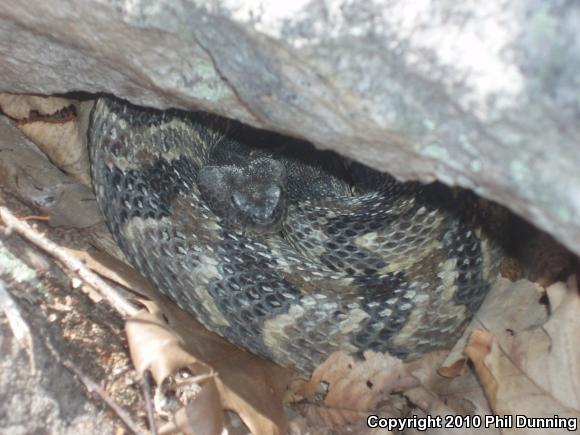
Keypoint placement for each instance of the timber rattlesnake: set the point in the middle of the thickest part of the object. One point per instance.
(289, 258)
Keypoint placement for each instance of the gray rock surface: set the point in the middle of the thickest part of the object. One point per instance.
(38, 395)
(483, 95)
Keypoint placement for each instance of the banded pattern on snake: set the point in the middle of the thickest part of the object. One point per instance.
(290, 257)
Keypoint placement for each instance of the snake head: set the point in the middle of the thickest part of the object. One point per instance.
(259, 204)
(249, 197)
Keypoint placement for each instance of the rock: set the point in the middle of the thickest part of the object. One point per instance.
(29, 175)
(478, 94)
(38, 394)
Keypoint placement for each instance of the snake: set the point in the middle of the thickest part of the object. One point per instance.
(286, 251)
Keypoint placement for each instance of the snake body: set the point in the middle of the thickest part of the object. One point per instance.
(333, 257)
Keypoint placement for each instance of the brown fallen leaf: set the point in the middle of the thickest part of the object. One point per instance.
(203, 415)
(59, 141)
(478, 348)
(459, 394)
(534, 372)
(512, 307)
(352, 388)
(453, 370)
(149, 337)
(20, 106)
(509, 306)
(512, 392)
(51, 123)
(353, 384)
(465, 390)
(550, 355)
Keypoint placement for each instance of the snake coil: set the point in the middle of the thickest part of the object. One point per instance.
(290, 257)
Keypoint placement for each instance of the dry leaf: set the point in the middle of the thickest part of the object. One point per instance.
(254, 389)
(534, 372)
(154, 346)
(509, 307)
(354, 388)
(360, 385)
(550, 355)
(354, 384)
(478, 348)
(463, 397)
(203, 415)
(61, 144)
(512, 306)
(464, 388)
(453, 370)
(512, 392)
(247, 385)
(556, 295)
(17, 106)
(51, 123)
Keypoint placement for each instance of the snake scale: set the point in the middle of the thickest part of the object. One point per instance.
(290, 257)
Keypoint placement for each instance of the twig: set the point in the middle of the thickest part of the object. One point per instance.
(94, 387)
(146, 384)
(35, 218)
(116, 300)
(18, 325)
